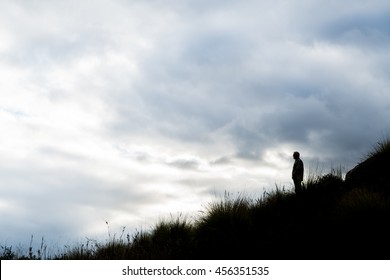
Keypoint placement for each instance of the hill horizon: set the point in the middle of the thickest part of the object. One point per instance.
(334, 218)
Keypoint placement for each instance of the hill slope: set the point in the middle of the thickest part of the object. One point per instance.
(332, 219)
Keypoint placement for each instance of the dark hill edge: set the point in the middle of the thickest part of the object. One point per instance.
(341, 224)
(332, 219)
(373, 172)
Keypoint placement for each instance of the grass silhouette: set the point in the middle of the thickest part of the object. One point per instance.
(332, 219)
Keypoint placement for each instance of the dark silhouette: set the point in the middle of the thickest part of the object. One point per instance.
(373, 171)
(297, 173)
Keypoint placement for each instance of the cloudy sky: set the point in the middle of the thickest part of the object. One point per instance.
(129, 111)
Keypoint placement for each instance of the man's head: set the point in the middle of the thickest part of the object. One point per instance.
(296, 155)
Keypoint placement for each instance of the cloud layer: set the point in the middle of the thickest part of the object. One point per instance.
(126, 111)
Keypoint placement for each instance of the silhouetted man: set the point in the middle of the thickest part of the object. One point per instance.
(297, 173)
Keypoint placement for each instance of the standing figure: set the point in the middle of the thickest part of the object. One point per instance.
(297, 173)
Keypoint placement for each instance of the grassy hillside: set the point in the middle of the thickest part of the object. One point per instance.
(332, 219)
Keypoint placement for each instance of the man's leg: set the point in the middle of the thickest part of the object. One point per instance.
(298, 186)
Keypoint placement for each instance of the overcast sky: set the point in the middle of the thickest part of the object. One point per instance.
(128, 111)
